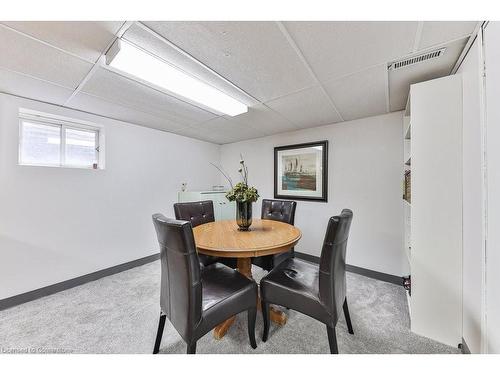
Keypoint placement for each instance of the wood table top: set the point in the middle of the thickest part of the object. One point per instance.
(223, 239)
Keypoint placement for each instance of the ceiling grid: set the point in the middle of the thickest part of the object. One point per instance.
(292, 75)
(125, 25)
(301, 56)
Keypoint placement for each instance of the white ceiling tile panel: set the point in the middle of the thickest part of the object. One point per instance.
(255, 56)
(334, 49)
(437, 32)
(85, 39)
(29, 87)
(401, 79)
(25, 55)
(361, 94)
(194, 133)
(129, 93)
(306, 108)
(263, 119)
(157, 46)
(225, 130)
(105, 108)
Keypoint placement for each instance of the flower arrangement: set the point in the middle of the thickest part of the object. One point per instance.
(243, 195)
(240, 192)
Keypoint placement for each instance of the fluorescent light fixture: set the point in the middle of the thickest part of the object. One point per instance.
(136, 62)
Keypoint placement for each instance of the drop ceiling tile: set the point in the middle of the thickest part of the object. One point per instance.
(193, 133)
(306, 108)
(32, 88)
(401, 79)
(263, 119)
(255, 56)
(196, 133)
(225, 130)
(139, 36)
(91, 104)
(85, 39)
(334, 49)
(361, 94)
(209, 134)
(437, 32)
(129, 93)
(25, 55)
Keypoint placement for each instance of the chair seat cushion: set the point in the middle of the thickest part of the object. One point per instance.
(206, 260)
(294, 283)
(225, 292)
(268, 262)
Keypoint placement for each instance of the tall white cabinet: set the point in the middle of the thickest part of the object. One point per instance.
(223, 209)
(432, 136)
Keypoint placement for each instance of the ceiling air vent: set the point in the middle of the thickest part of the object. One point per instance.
(416, 59)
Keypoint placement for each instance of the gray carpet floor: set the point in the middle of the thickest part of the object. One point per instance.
(119, 314)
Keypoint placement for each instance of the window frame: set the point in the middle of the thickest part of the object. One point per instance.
(62, 123)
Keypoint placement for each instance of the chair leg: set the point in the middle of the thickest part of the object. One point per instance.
(159, 334)
(252, 314)
(332, 340)
(347, 317)
(191, 348)
(265, 316)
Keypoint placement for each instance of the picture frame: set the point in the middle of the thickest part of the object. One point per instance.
(301, 171)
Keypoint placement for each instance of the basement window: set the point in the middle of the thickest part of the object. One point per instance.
(55, 141)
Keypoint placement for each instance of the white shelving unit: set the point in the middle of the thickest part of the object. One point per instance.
(432, 138)
(406, 167)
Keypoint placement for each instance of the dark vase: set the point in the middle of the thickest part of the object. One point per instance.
(244, 215)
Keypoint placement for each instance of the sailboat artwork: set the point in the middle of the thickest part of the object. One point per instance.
(299, 172)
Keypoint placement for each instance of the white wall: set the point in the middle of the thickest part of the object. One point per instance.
(365, 175)
(473, 211)
(60, 223)
(492, 60)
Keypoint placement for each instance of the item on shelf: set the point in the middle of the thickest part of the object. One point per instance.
(407, 283)
(407, 187)
(184, 186)
(218, 188)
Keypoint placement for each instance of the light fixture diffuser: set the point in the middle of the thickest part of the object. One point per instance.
(132, 60)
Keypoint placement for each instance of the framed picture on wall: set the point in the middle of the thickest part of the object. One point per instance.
(301, 171)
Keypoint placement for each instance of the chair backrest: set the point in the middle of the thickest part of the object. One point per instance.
(273, 209)
(181, 293)
(332, 278)
(196, 212)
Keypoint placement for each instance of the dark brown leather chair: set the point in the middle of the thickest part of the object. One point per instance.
(200, 213)
(317, 291)
(280, 211)
(194, 300)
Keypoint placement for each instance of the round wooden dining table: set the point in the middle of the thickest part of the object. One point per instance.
(265, 237)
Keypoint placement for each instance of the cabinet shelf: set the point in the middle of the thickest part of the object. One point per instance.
(406, 127)
(407, 133)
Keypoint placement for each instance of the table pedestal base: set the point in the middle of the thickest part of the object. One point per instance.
(275, 315)
(221, 330)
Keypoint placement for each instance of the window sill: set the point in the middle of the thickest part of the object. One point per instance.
(61, 166)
